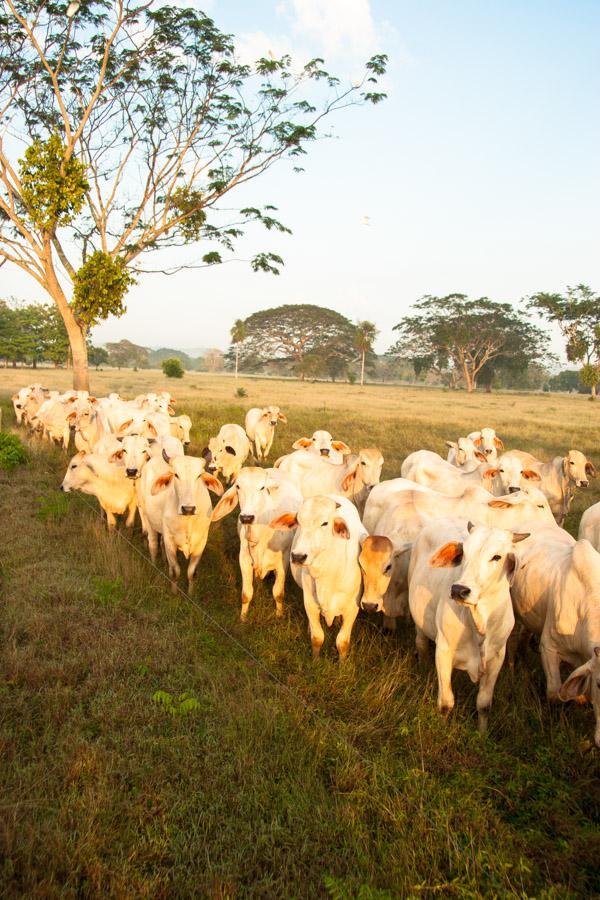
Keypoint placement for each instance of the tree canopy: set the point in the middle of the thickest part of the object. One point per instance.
(577, 314)
(459, 337)
(312, 338)
(125, 127)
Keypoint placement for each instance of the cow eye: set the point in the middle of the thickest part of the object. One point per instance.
(387, 569)
(176, 475)
(363, 463)
(496, 557)
(323, 524)
(74, 466)
(502, 471)
(540, 506)
(571, 463)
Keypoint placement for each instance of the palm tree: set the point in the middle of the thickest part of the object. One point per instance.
(364, 338)
(238, 334)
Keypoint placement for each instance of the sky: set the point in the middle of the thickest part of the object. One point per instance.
(479, 174)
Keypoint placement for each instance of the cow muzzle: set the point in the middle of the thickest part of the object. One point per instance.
(299, 558)
(188, 510)
(460, 593)
(583, 484)
(370, 607)
(513, 490)
(246, 519)
(324, 451)
(131, 473)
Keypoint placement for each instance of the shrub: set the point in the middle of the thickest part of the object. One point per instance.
(241, 392)
(53, 505)
(351, 378)
(172, 368)
(12, 451)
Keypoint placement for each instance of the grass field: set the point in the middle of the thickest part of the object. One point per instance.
(286, 778)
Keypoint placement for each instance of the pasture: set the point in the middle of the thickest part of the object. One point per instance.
(285, 778)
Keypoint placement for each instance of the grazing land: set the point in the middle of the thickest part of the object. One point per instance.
(285, 778)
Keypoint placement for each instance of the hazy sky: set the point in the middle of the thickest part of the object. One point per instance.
(479, 174)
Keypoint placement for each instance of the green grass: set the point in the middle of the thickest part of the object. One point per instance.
(316, 781)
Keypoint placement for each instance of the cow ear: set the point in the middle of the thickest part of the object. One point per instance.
(152, 429)
(282, 418)
(124, 426)
(71, 417)
(519, 536)
(498, 444)
(212, 483)
(480, 456)
(530, 475)
(478, 441)
(206, 454)
(230, 450)
(500, 504)
(118, 454)
(449, 555)
(577, 685)
(226, 504)
(285, 522)
(452, 444)
(349, 478)
(301, 444)
(590, 469)
(161, 483)
(340, 528)
(341, 447)
(81, 454)
(92, 399)
(490, 473)
(278, 462)
(470, 527)
(170, 410)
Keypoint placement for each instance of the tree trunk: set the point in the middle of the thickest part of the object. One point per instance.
(362, 369)
(237, 357)
(593, 389)
(75, 332)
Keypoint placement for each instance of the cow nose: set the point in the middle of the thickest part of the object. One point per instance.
(186, 443)
(513, 490)
(188, 510)
(583, 483)
(488, 451)
(62, 487)
(273, 423)
(369, 607)
(299, 558)
(459, 592)
(131, 473)
(324, 451)
(246, 519)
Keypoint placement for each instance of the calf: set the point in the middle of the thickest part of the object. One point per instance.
(180, 427)
(488, 442)
(178, 507)
(260, 427)
(463, 451)
(556, 594)
(512, 474)
(459, 597)
(93, 474)
(322, 444)
(325, 564)
(262, 494)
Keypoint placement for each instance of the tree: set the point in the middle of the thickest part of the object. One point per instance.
(577, 314)
(238, 334)
(124, 353)
(97, 356)
(296, 332)
(365, 335)
(139, 123)
(456, 336)
(172, 368)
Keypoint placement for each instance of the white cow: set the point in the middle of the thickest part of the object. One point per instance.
(459, 597)
(512, 474)
(559, 478)
(90, 426)
(260, 427)
(325, 564)
(589, 526)
(429, 469)
(180, 427)
(176, 505)
(28, 399)
(353, 479)
(556, 594)
(262, 494)
(94, 474)
(488, 442)
(462, 451)
(228, 451)
(323, 444)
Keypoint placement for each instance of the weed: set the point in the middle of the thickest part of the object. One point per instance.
(109, 592)
(52, 506)
(12, 451)
(181, 705)
(241, 392)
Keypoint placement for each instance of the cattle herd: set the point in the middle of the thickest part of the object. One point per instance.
(471, 548)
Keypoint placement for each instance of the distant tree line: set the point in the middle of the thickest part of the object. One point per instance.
(451, 340)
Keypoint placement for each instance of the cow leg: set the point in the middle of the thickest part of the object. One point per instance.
(131, 513)
(152, 536)
(551, 664)
(313, 612)
(247, 570)
(278, 589)
(174, 568)
(191, 570)
(110, 519)
(342, 641)
(422, 644)
(443, 665)
(485, 694)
